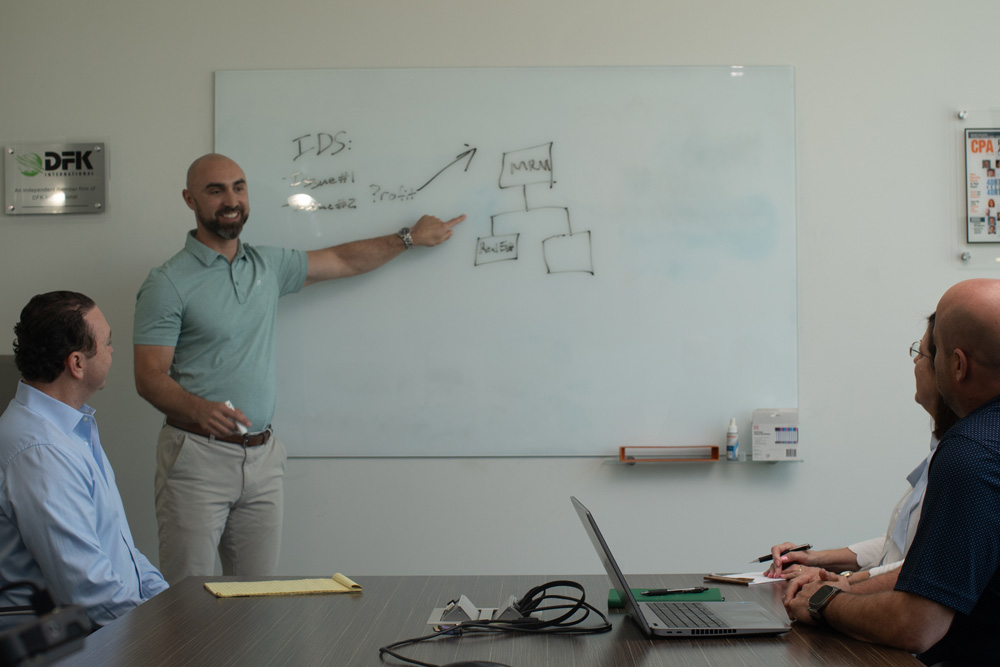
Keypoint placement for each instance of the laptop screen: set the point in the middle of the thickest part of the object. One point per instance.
(614, 572)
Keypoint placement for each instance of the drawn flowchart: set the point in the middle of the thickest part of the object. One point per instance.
(563, 250)
(547, 228)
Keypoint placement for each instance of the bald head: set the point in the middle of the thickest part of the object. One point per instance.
(967, 336)
(968, 316)
(206, 165)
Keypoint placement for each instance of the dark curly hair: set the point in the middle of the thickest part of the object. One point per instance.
(52, 327)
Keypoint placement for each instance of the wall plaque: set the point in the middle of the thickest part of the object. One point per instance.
(51, 178)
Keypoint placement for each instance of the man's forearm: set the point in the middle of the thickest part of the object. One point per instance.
(153, 382)
(369, 254)
(164, 394)
(876, 584)
(892, 618)
(357, 257)
(351, 259)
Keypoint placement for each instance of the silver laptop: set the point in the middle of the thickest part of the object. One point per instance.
(681, 619)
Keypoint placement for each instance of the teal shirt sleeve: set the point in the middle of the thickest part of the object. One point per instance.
(294, 269)
(158, 311)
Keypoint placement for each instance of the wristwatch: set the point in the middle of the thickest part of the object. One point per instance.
(819, 600)
(404, 234)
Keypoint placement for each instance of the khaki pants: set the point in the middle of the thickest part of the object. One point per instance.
(217, 497)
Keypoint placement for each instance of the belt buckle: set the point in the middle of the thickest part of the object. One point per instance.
(264, 436)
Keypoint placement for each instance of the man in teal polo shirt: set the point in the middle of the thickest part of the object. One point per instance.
(204, 356)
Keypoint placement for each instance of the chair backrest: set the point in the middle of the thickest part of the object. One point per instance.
(9, 376)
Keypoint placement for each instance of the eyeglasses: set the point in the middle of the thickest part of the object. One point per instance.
(915, 351)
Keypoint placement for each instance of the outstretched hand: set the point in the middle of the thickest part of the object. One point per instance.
(430, 231)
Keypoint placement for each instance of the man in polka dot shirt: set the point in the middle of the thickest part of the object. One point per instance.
(945, 602)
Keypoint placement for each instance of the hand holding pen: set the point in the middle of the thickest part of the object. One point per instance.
(784, 554)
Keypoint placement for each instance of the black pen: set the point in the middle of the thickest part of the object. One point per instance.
(801, 547)
(674, 591)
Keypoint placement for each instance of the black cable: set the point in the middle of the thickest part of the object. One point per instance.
(538, 600)
(388, 649)
(41, 601)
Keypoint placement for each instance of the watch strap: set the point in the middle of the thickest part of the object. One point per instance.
(816, 606)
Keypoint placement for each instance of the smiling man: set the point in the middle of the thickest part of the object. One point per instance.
(204, 342)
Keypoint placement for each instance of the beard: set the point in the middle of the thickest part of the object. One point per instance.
(225, 230)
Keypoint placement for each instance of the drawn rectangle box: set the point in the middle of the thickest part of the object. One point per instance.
(568, 252)
(496, 248)
(528, 166)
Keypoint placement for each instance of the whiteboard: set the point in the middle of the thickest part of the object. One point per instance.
(626, 274)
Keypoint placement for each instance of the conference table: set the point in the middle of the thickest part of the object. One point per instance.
(187, 625)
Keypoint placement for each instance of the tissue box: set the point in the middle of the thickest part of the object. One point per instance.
(775, 435)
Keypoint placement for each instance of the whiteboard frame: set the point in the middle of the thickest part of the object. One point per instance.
(744, 358)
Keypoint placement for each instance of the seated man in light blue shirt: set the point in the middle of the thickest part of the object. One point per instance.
(62, 523)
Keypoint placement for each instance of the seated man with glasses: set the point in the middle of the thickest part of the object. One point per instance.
(885, 553)
(945, 600)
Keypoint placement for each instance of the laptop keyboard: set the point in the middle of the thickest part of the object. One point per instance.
(686, 615)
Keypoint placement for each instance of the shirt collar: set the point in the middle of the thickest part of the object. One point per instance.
(988, 405)
(921, 470)
(64, 416)
(206, 255)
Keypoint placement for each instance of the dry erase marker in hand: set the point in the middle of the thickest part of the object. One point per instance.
(239, 425)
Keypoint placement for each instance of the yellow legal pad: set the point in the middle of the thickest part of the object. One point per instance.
(338, 583)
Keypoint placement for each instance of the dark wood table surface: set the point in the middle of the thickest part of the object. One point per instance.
(187, 625)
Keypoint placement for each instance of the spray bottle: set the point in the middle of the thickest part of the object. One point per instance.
(732, 441)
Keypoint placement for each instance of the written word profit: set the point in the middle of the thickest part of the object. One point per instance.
(402, 194)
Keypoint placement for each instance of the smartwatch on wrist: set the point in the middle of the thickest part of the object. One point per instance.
(819, 600)
(404, 234)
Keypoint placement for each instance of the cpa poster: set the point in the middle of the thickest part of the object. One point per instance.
(982, 191)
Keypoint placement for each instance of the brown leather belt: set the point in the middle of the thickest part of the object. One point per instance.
(248, 440)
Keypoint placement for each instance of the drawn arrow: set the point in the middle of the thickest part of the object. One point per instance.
(471, 153)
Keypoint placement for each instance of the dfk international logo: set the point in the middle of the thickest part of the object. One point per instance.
(32, 164)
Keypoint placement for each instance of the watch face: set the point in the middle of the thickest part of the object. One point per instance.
(820, 597)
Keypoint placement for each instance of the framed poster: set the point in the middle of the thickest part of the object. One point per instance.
(982, 184)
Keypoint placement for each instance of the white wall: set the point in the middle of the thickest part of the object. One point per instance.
(878, 84)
